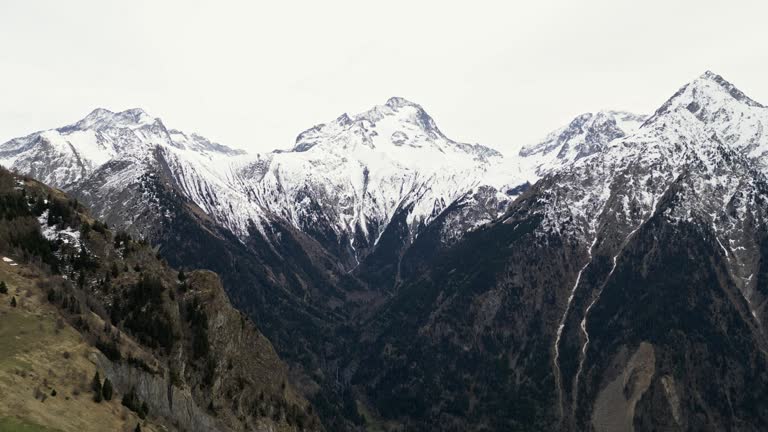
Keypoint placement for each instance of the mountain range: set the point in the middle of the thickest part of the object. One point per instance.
(610, 277)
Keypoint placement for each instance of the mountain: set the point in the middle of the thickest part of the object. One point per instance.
(622, 291)
(609, 277)
(346, 177)
(345, 181)
(342, 183)
(587, 134)
(291, 232)
(309, 240)
(79, 300)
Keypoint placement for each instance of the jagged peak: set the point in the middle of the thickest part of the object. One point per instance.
(128, 113)
(708, 74)
(343, 120)
(134, 112)
(101, 118)
(709, 91)
(610, 123)
(100, 113)
(730, 88)
(394, 107)
(398, 102)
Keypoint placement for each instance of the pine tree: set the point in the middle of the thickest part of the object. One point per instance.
(96, 386)
(138, 428)
(128, 400)
(3, 288)
(96, 382)
(106, 389)
(13, 301)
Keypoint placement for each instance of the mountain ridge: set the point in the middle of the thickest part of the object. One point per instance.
(565, 249)
(367, 265)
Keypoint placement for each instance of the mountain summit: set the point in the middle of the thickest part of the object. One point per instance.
(390, 130)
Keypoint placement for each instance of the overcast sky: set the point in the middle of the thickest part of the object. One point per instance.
(254, 74)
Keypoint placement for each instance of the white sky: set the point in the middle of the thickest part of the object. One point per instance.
(254, 74)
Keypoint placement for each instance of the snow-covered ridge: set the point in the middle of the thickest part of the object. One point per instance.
(736, 119)
(396, 124)
(354, 173)
(700, 129)
(587, 134)
(347, 177)
(350, 175)
(705, 147)
(65, 155)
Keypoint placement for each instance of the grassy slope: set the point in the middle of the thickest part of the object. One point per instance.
(33, 343)
(9, 424)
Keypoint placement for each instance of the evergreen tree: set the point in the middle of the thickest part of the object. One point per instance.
(182, 276)
(128, 399)
(138, 428)
(13, 301)
(106, 389)
(3, 288)
(96, 386)
(96, 382)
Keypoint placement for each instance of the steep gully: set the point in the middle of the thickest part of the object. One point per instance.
(583, 324)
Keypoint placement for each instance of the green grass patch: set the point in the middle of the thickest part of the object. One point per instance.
(20, 332)
(10, 424)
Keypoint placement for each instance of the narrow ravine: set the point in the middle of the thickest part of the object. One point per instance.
(583, 323)
(556, 360)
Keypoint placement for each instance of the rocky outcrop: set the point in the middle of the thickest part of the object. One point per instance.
(163, 398)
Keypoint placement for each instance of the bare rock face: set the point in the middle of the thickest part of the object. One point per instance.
(242, 354)
(163, 399)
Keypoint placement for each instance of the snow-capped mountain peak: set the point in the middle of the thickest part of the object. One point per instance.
(400, 130)
(344, 180)
(359, 170)
(68, 154)
(732, 116)
(587, 134)
(397, 102)
(693, 147)
(101, 118)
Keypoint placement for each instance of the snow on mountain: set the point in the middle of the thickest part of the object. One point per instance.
(690, 133)
(68, 154)
(361, 170)
(585, 135)
(703, 149)
(737, 120)
(344, 180)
